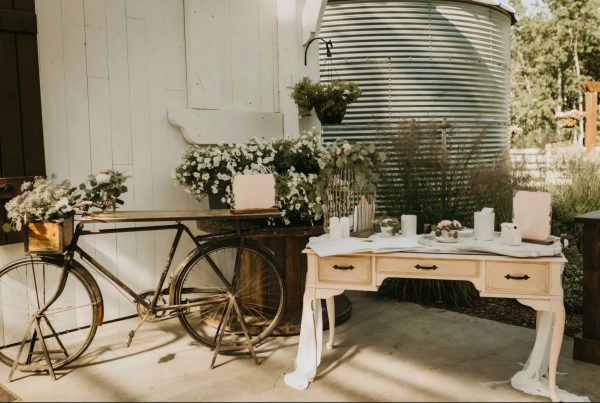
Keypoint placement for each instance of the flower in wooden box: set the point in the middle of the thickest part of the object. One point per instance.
(50, 237)
(45, 210)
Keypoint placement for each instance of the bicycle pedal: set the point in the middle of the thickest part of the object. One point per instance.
(130, 339)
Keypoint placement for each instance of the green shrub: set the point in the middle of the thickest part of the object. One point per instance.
(577, 192)
(573, 280)
(458, 293)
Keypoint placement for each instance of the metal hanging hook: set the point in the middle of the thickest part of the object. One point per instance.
(328, 46)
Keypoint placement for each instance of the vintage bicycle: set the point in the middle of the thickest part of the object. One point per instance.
(227, 293)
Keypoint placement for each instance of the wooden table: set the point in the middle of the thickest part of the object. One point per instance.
(587, 346)
(535, 282)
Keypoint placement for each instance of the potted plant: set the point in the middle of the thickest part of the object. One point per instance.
(296, 163)
(45, 208)
(328, 100)
(570, 118)
(104, 189)
(388, 226)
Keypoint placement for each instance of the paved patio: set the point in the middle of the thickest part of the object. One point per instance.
(387, 351)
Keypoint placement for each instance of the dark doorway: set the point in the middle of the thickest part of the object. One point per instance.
(21, 138)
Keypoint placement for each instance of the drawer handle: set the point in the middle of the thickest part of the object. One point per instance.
(419, 267)
(509, 277)
(335, 266)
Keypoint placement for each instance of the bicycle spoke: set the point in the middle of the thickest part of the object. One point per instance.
(37, 297)
(62, 332)
(256, 287)
(66, 309)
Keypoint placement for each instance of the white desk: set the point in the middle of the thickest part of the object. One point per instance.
(535, 282)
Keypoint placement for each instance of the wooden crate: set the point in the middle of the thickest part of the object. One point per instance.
(48, 237)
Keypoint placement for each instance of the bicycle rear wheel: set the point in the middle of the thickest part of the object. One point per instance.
(257, 288)
(67, 326)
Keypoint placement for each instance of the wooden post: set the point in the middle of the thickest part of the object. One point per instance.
(591, 89)
(591, 114)
(586, 346)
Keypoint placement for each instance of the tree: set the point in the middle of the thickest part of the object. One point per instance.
(552, 53)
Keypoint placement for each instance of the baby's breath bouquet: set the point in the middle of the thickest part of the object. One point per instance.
(296, 163)
(43, 199)
(47, 199)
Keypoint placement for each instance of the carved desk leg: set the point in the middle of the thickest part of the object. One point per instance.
(544, 355)
(558, 329)
(310, 343)
(331, 317)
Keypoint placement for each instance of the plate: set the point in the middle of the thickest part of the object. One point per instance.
(446, 240)
(466, 232)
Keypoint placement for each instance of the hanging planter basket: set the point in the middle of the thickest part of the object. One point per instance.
(568, 122)
(331, 113)
(570, 118)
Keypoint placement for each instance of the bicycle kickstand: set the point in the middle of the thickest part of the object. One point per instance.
(133, 332)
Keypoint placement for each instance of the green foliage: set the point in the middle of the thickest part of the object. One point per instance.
(573, 280)
(435, 177)
(363, 159)
(458, 293)
(308, 94)
(577, 192)
(295, 162)
(48, 199)
(552, 52)
(105, 188)
(387, 222)
(42, 199)
(440, 178)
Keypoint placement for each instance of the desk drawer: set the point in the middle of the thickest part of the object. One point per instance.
(516, 278)
(345, 270)
(428, 267)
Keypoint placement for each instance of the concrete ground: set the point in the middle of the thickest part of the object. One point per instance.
(387, 351)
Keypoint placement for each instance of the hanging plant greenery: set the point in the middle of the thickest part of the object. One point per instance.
(329, 100)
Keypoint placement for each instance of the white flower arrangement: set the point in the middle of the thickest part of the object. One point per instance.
(296, 164)
(46, 199)
(42, 199)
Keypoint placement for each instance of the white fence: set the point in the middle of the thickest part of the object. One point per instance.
(541, 163)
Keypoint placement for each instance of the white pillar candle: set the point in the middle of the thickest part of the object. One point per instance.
(335, 228)
(408, 224)
(345, 227)
(484, 225)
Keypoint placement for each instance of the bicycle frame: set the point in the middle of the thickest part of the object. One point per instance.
(137, 298)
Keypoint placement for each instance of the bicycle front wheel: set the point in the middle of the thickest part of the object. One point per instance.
(66, 327)
(256, 287)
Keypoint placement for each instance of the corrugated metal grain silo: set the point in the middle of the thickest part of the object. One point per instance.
(425, 60)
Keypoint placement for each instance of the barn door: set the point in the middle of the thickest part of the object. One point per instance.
(21, 140)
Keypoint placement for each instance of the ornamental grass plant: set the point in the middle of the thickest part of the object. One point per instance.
(434, 175)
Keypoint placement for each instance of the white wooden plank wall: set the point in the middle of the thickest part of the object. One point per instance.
(231, 54)
(109, 70)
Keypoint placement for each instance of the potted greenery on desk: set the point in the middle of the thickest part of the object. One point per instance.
(329, 100)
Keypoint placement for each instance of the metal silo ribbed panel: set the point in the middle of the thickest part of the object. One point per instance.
(425, 60)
